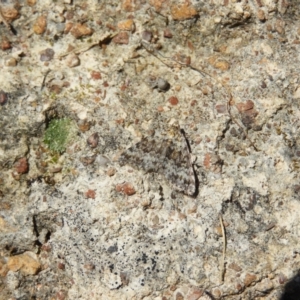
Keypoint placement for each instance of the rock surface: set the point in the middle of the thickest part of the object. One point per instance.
(77, 224)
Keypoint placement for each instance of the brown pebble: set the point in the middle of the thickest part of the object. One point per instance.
(3, 268)
(31, 2)
(111, 172)
(167, 33)
(79, 30)
(46, 247)
(279, 26)
(221, 108)
(261, 15)
(68, 27)
(206, 161)
(234, 266)
(125, 188)
(282, 278)
(121, 38)
(239, 287)
(173, 288)
(22, 166)
(244, 106)
(3, 97)
(91, 194)
(61, 295)
(128, 5)
(160, 108)
(127, 25)
(229, 147)
(11, 62)
(249, 279)
(72, 60)
(55, 169)
(61, 266)
(27, 263)
(89, 266)
(40, 25)
(124, 278)
(93, 140)
(84, 126)
(9, 12)
(96, 75)
(216, 293)
(173, 100)
(87, 160)
(179, 296)
(222, 65)
(5, 44)
(183, 11)
(193, 102)
(195, 294)
(183, 59)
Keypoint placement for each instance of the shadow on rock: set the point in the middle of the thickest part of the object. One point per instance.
(292, 289)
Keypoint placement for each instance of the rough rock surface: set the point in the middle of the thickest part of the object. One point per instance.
(78, 223)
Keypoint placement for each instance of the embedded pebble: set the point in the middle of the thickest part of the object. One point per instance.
(3, 97)
(127, 25)
(5, 44)
(31, 2)
(90, 194)
(222, 65)
(162, 84)
(22, 166)
(93, 140)
(184, 11)
(9, 10)
(47, 54)
(126, 188)
(103, 161)
(147, 35)
(87, 160)
(111, 172)
(72, 60)
(27, 263)
(167, 33)
(79, 30)
(40, 25)
(173, 100)
(121, 38)
(11, 62)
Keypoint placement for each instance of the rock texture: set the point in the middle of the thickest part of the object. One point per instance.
(84, 223)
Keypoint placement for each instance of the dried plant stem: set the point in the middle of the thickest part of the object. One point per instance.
(224, 250)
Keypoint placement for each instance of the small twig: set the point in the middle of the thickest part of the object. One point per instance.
(79, 50)
(89, 46)
(44, 80)
(224, 249)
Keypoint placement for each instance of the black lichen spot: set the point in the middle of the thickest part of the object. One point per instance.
(112, 249)
(111, 267)
(153, 263)
(144, 258)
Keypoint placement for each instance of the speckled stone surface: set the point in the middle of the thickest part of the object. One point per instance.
(93, 222)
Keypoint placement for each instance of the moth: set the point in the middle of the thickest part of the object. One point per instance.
(168, 157)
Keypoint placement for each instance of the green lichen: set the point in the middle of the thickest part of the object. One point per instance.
(58, 134)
